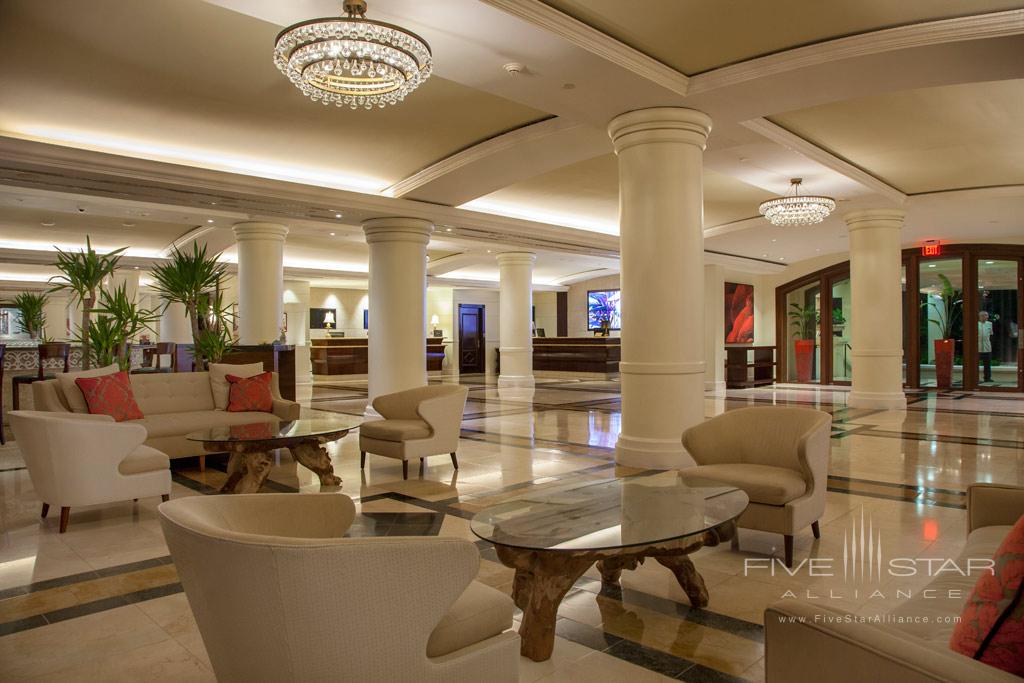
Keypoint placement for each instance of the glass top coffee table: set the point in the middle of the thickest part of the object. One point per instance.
(553, 536)
(249, 446)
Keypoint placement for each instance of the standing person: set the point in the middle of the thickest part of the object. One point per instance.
(985, 344)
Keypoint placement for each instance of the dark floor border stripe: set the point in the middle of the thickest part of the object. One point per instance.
(952, 492)
(70, 579)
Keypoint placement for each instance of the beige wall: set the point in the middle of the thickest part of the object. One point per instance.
(349, 305)
(489, 299)
(546, 318)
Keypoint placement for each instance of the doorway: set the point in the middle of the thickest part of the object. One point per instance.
(472, 350)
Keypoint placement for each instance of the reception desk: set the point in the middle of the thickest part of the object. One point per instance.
(590, 355)
(349, 355)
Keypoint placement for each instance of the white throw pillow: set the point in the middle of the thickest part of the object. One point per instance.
(72, 394)
(219, 383)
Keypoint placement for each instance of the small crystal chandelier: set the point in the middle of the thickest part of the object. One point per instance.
(352, 61)
(797, 209)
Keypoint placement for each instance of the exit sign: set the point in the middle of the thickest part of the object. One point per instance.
(931, 249)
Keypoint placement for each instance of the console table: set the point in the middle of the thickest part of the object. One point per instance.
(749, 366)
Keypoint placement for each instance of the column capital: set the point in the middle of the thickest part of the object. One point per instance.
(875, 218)
(659, 124)
(259, 231)
(521, 258)
(397, 229)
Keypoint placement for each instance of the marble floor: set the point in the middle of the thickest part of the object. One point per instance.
(103, 602)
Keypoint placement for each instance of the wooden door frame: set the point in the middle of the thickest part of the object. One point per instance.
(974, 257)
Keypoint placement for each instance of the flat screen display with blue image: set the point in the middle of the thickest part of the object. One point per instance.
(603, 304)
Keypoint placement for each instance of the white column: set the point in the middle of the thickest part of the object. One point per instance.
(56, 312)
(130, 280)
(174, 324)
(296, 307)
(876, 322)
(714, 328)
(515, 306)
(260, 281)
(660, 153)
(398, 303)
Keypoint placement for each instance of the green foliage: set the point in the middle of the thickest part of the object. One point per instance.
(119, 320)
(30, 311)
(947, 307)
(82, 273)
(215, 339)
(804, 319)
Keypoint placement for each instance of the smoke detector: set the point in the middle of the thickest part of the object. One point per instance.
(514, 68)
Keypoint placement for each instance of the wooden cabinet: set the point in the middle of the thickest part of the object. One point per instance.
(749, 366)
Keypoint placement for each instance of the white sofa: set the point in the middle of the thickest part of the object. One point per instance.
(807, 641)
(76, 460)
(174, 404)
(279, 595)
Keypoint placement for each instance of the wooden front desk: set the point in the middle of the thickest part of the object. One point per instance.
(349, 355)
(577, 354)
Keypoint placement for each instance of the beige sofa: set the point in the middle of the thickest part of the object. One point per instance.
(809, 642)
(174, 404)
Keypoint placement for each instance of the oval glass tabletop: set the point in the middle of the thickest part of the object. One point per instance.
(610, 513)
(279, 429)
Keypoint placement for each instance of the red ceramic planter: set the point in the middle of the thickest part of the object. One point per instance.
(944, 363)
(804, 350)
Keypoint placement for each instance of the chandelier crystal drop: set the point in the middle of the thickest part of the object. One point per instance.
(352, 61)
(797, 209)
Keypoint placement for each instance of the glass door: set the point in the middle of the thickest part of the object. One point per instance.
(998, 315)
(839, 319)
(803, 334)
(941, 323)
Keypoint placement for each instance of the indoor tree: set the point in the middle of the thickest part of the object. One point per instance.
(119, 319)
(83, 273)
(946, 307)
(30, 307)
(188, 278)
(805, 319)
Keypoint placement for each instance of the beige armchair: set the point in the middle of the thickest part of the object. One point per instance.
(417, 423)
(778, 455)
(279, 595)
(78, 459)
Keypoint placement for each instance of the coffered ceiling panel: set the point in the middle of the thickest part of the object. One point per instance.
(927, 140)
(693, 36)
(587, 194)
(187, 81)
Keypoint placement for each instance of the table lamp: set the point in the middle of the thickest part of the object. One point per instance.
(329, 319)
(435, 321)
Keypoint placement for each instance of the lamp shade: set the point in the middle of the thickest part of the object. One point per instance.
(329, 317)
(435, 320)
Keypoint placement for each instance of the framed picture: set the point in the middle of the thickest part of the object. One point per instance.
(739, 313)
(366, 318)
(603, 305)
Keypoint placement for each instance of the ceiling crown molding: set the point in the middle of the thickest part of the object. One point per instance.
(579, 34)
(977, 27)
(482, 150)
(792, 141)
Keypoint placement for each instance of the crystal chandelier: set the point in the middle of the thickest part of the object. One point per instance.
(797, 209)
(352, 61)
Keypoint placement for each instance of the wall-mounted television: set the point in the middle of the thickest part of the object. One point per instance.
(604, 304)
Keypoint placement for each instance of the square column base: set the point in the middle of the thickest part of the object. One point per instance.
(877, 400)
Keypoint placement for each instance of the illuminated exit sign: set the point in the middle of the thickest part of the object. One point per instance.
(931, 249)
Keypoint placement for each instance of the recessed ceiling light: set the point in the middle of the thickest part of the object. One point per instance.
(774, 240)
(48, 224)
(764, 255)
(447, 229)
(127, 225)
(135, 267)
(782, 258)
(331, 234)
(488, 251)
(209, 220)
(337, 215)
(931, 265)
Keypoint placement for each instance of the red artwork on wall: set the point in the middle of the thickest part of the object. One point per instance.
(739, 313)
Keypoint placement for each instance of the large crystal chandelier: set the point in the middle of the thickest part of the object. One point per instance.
(797, 209)
(352, 61)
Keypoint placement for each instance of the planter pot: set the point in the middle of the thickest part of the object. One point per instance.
(944, 363)
(804, 351)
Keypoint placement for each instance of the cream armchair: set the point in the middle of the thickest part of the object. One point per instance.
(279, 595)
(79, 459)
(777, 455)
(417, 423)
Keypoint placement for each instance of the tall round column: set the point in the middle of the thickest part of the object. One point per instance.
(515, 316)
(398, 303)
(714, 327)
(260, 281)
(56, 313)
(174, 323)
(660, 152)
(876, 329)
(296, 307)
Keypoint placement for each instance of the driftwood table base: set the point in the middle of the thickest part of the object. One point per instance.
(250, 461)
(543, 577)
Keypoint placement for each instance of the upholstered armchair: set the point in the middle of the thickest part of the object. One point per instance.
(777, 455)
(417, 423)
(77, 459)
(279, 595)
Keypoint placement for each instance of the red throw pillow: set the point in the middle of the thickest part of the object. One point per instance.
(991, 628)
(110, 395)
(250, 393)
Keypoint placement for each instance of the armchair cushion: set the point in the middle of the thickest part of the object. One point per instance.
(396, 430)
(72, 394)
(764, 484)
(480, 613)
(143, 459)
(110, 395)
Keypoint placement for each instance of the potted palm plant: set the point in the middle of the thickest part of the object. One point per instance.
(805, 321)
(82, 273)
(30, 312)
(215, 339)
(119, 320)
(945, 307)
(188, 278)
